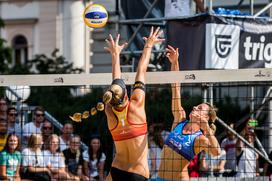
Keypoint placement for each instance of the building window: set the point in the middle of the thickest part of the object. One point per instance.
(20, 51)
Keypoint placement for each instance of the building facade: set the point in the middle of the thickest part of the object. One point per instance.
(39, 27)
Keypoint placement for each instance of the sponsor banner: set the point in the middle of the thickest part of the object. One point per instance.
(221, 42)
(222, 46)
(255, 50)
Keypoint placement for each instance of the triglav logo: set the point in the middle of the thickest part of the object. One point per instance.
(261, 50)
(223, 45)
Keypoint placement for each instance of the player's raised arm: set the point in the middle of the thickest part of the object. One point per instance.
(177, 110)
(115, 49)
(140, 78)
(150, 41)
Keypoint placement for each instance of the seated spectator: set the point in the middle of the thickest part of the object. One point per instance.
(54, 159)
(229, 145)
(67, 132)
(3, 133)
(247, 158)
(33, 161)
(10, 159)
(34, 127)
(74, 158)
(13, 127)
(47, 131)
(174, 8)
(3, 108)
(94, 160)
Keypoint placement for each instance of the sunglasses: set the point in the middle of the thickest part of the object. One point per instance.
(39, 115)
(13, 114)
(47, 128)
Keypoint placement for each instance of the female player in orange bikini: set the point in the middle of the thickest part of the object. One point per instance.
(126, 117)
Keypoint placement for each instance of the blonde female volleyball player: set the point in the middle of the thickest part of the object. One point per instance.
(188, 137)
(126, 117)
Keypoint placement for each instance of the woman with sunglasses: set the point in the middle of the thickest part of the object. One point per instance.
(188, 137)
(10, 159)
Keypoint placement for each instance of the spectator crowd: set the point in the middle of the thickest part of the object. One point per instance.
(34, 152)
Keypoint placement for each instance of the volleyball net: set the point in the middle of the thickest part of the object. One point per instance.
(243, 97)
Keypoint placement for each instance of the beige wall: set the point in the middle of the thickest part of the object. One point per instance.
(39, 26)
(47, 26)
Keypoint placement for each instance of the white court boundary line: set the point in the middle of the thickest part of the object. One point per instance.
(199, 76)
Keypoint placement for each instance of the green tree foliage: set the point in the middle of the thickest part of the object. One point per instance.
(55, 64)
(5, 53)
(5, 56)
(58, 101)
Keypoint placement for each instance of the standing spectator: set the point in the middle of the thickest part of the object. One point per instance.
(94, 160)
(33, 160)
(34, 127)
(3, 133)
(47, 131)
(67, 132)
(13, 127)
(54, 159)
(174, 8)
(229, 145)
(268, 167)
(10, 159)
(3, 108)
(74, 158)
(155, 147)
(247, 158)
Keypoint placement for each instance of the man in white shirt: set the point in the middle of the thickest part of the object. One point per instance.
(13, 127)
(175, 8)
(35, 125)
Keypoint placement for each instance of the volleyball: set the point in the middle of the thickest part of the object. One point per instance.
(95, 16)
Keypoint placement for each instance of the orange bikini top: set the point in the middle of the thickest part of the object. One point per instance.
(124, 129)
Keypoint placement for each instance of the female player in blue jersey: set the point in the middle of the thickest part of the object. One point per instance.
(188, 137)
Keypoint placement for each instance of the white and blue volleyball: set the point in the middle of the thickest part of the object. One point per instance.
(95, 16)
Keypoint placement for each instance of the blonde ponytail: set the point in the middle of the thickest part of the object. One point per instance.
(213, 127)
(107, 97)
